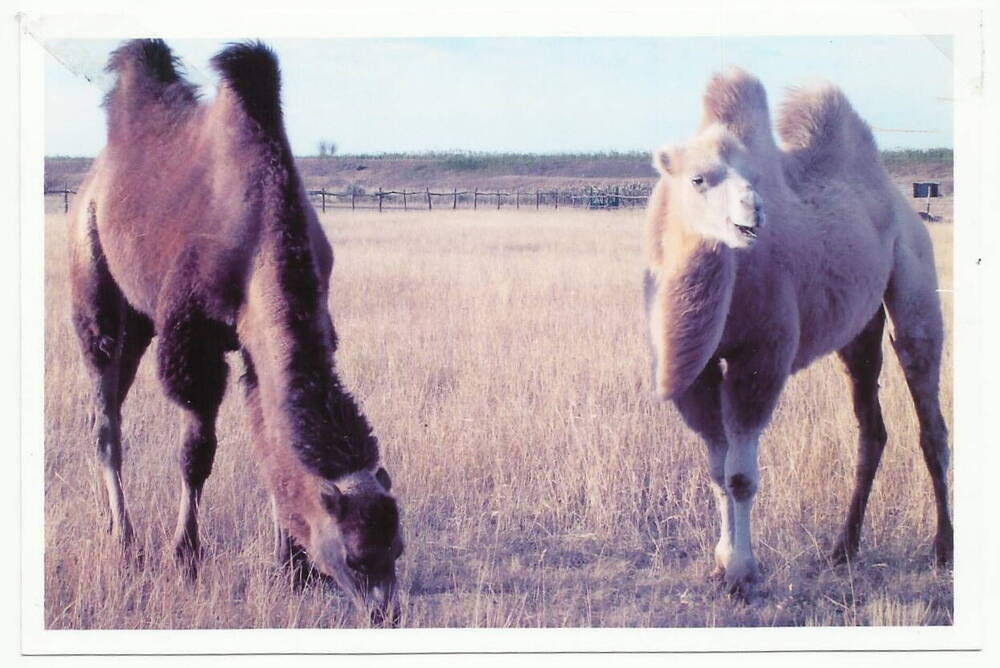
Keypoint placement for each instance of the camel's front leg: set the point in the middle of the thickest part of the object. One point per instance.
(750, 392)
(192, 368)
(724, 504)
(700, 406)
(741, 479)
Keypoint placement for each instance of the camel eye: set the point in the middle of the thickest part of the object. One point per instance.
(698, 180)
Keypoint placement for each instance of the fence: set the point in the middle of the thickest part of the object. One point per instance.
(629, 195)
(65, 192)
(590, 197)
(380, 199)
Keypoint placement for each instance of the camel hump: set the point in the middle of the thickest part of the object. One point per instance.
(823, 133)
(144, 59)
(147, 77)
(736, 99)
(250, 70)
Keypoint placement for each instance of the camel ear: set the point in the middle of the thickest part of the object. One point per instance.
(334, 501)
(383, 478)
(663, 161)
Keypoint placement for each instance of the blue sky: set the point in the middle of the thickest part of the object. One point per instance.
(560, 94)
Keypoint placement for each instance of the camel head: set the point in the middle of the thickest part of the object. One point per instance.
(357, 541)
(713, 187)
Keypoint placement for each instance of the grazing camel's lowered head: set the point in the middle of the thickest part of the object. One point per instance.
(358, 540)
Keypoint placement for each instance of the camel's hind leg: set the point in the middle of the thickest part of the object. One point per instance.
(193, 370)
(918, 335)
(114, 337)
(701, 408)
(863, 359)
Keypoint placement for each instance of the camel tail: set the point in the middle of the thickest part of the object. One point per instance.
(149, 83)
(250, 70)
(823, 134)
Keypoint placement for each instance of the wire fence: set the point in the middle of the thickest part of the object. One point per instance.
(593, 197)
(629, 195)
(427, 199)
(65, 191)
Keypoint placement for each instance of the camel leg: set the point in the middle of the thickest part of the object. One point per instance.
(106, 425)
(192, 369)
(750, 392)
(863, 359)
(282, 541)
(288, 555)
(113, 337)
(136, 335)
(700, 407)
(918, 335)
(283, 545)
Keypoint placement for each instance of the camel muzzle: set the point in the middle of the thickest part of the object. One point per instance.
(755, 220)
(383, 602)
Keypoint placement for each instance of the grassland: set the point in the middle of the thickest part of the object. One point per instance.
(501, 358)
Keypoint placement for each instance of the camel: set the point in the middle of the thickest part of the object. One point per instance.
(761, 260)
(193, 225)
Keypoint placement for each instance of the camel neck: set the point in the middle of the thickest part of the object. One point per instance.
(689, 308)
(290, 338)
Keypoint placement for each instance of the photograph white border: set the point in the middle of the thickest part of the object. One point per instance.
(973, 559)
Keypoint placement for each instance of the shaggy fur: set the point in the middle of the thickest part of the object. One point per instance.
(194, 224)
(838, 243)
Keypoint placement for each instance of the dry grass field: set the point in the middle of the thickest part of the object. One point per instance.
(501, 357)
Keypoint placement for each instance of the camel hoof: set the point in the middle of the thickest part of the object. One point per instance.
(186, 558)
(385, 619)
(944, 550)
(740, 578)
(742, 592)
(130, 553)
(301, 574)
(843, 553)
(121, 531)
(128, 550)
(125, 540)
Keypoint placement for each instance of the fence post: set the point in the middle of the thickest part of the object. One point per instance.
(65, 198)
(428, 198)
(498, 200)
(557, 199)
(475, 197)
(517, 199)
(454, 195)
(380, 199)
(404, 199)
(353, 193)
(538, 198)
(322, 195)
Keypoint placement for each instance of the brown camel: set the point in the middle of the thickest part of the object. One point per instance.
(762, 260)
(193, 225)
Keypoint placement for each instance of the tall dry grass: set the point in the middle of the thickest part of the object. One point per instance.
(501, 358)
